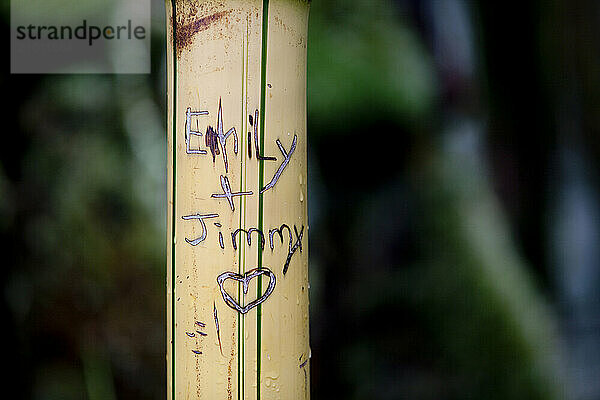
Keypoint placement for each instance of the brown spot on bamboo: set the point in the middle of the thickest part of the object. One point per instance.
(231, 359)
(185, 32)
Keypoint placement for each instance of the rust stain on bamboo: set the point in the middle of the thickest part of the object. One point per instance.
(185, 32)
(229, 364)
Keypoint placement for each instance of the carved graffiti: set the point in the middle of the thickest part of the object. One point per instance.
(286, 159)
(214, 140)
(245, 281)
(291, 247)
(228, 194)
(248, 237)
(200, 218)
(254, 124)
(189, 132)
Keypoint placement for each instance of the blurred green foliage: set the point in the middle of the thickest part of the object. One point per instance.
(427, 281)
(366, 61)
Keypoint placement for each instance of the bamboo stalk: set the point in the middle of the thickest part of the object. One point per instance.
(237, 270)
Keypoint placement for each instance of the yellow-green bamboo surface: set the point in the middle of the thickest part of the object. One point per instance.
(237, 216)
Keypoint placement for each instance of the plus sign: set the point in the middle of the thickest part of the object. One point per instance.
(227, 194)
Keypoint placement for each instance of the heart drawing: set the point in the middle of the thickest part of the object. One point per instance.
(245, 281)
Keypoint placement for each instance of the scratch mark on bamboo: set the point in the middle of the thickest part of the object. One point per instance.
(217, 326)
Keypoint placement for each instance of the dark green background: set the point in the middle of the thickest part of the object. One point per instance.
(453, 198)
